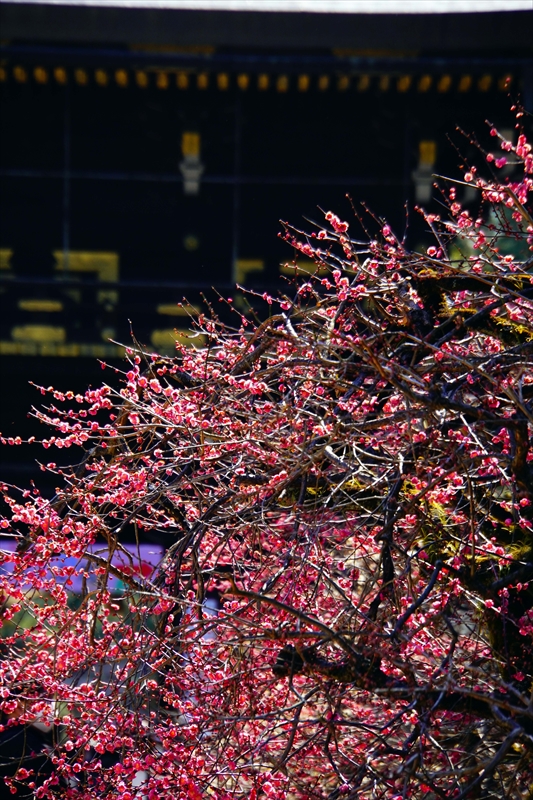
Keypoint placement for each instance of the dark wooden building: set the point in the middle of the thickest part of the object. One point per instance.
(149, 148)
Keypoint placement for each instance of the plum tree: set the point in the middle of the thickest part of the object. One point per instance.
(344, 492)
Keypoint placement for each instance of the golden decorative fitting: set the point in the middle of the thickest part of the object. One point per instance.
(81, 77)
(40, 74)
(39, 334)
(20, 74)
(404, 83)
(465, 83)
(60, 74)
(444, 83)
(484, 83)
(202, 80)
(178, 309)
(424, 83)
(101, 77)
(162, 81)
(282, 83)
(141, 79)
(223, 81)
(427, 151)
(190, 143)
(41, 305)
(243, 81)
(121, 77)
(182, 80)
(263, 82)
(243, 266)
(343, 83)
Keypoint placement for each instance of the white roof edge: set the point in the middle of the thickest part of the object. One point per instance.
(305, 6)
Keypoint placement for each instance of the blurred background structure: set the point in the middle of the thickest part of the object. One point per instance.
(149, 148)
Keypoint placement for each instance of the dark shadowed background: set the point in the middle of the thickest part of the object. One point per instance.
(148, 151)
